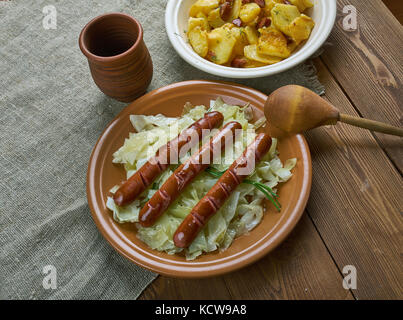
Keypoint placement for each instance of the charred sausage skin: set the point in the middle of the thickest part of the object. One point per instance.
(184, 174)
(220, 192)
(145, 176)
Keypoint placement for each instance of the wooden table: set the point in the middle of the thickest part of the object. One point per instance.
(354, 213)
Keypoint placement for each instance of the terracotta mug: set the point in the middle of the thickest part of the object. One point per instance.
(119, 60)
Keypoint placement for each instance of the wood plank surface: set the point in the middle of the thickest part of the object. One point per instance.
(368, 65)
(300, 268)
(356, 201)
(354, 212)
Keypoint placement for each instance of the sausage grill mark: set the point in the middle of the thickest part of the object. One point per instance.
(183, 175)
(143, 178)
(234, 176)
(225, 188)
(219, 193)
(212, 203)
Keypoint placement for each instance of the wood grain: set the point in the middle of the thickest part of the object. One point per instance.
(356, 201)
(354, 213)
(301, 268)
(368, 65)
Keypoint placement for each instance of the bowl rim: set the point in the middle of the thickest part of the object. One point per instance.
(145, 259)
(171, 26)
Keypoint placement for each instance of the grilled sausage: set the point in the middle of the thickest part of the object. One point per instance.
(219, 193)
(145, 176)
(264, 22)
(225, 9)
(260, 3)
(184, 174)
(238, 62)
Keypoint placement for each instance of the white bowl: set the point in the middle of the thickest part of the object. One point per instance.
(176, 20)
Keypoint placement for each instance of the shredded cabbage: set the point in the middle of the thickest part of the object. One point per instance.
(237, 216)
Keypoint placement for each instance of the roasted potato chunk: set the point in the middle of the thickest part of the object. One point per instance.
(300, 29)
(251, 34)
(241, 40)
(248, 33)
(198, 41)
(273, 43)
(292, 45)
(228, 26)
(283, 15)
(198, 22)
(253, 64)
(269, 4)
(204, 6)
(302, 5)
(252, 54)
(221, 42)
(214, 18)
(236, 8)
(249, 12)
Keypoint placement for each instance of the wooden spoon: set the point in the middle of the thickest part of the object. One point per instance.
(294, 109)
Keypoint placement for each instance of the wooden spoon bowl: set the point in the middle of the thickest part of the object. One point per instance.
(294, 109)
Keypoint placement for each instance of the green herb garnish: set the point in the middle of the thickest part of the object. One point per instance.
(267, 191)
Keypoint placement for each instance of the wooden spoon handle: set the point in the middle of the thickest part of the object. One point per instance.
(371, 125)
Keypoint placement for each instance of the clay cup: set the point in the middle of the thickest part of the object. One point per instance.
(118, 58)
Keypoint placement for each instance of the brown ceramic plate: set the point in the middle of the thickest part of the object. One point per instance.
(103, 175)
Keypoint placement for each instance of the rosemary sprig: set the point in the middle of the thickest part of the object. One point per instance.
(214, 173)
(259, 186)
(267, 191)
(267, 188)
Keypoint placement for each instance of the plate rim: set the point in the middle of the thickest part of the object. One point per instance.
(233, 265)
